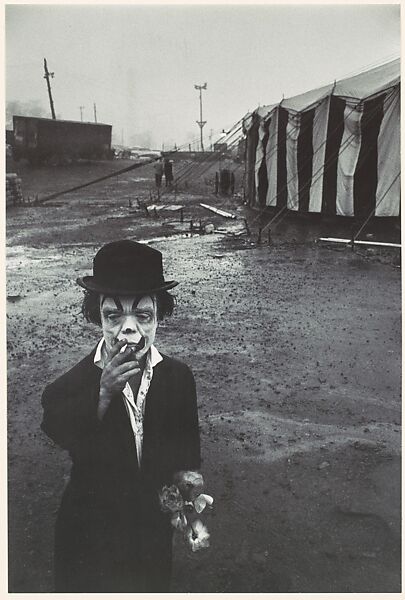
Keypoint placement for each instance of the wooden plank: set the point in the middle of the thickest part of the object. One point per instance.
(359, 242)
(218, 211)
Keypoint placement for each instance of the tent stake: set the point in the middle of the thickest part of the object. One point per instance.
(352, 240)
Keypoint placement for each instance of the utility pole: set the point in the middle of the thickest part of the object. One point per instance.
(201, 123)
(95, 112)
(47, 76)
(81, 112)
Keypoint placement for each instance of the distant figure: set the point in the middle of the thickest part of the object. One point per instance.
(232, 183)
(168, 169)
(224, 181)
(158, 173)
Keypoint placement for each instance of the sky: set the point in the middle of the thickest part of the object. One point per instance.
(139, 63)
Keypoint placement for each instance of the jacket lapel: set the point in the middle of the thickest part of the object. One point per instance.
(154, 419)
(117, 418)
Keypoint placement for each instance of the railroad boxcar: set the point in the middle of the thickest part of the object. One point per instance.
(40, 140)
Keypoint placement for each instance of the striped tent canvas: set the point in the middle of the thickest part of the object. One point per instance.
(333, 150)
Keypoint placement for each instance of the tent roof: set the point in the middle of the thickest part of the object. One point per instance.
(247, 122)
(358, 87)
(264, 111)
(305, 100)
(370, 82)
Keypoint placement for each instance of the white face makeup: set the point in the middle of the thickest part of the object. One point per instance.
(124, 318)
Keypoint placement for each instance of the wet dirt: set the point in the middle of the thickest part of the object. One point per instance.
(296, 351)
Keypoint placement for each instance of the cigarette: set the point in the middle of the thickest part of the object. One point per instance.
(133, 347)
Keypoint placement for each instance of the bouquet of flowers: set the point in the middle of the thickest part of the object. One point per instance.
(183, 498)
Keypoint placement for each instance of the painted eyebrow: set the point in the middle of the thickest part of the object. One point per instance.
(118, 303)
(116, 300)
(136, 302)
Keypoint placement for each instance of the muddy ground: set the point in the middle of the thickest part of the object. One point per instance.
(296, 351)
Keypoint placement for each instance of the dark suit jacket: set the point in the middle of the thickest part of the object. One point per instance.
(111, 535)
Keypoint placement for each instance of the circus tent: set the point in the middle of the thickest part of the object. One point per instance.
(333, 150)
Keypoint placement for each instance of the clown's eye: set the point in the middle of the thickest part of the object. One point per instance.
(112, 316)
(144, 317)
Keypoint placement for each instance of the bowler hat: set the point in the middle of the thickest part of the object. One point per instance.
(126, 268)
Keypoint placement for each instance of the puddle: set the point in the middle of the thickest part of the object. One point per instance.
(14, 298)
(296, 437)
(21, 257)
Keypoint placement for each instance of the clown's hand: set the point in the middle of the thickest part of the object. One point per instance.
(118, 369)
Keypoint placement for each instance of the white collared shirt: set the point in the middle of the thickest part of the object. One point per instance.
(135, 409)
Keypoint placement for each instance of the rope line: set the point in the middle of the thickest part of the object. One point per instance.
(377, 205)
(318, 174)
(274, 150)
(99, 179)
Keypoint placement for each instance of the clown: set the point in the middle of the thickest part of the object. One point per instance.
(127, 415)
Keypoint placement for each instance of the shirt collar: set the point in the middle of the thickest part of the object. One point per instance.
(101, 351)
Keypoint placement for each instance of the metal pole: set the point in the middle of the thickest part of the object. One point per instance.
(81, 112)
(201, 129)
(47, 76)
(201, 123)
(95, 113)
